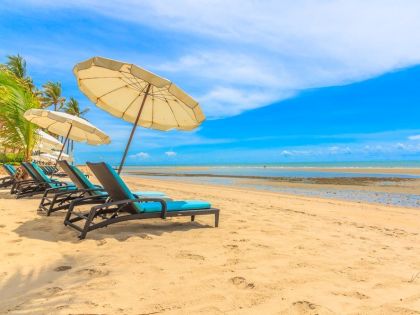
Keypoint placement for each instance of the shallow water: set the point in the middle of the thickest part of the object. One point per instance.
(265, 179)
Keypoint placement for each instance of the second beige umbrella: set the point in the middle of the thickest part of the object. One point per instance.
(68, 126)
(137, 96)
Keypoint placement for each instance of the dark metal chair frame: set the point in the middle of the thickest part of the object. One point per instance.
(7, 180)
(54, 201)
(35, 186)
(120, 208)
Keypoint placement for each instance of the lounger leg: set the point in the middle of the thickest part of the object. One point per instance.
(216, 219)
(50, 208)
(87, 224)
(192, 218)
(68, 214)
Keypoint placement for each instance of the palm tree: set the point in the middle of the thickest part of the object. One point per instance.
(52, 95)
(16, 98)
(17, 65)
(72, 107)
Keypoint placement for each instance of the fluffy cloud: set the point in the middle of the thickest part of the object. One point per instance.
(247, 54)
(415, 137)
(170, 153)
(141, 155)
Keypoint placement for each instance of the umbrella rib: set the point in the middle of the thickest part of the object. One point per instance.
(135, 99)
(138, 95)
(133, 80)
(112, 91)
(91, 78)
(173, 113)
(188, 112)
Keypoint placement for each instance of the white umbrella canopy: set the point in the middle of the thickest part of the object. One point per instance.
(137, 96)
(46, 142)
(54, 156)
(66, 125)
(119, 88)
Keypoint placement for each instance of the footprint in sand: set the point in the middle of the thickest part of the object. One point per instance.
(92, 272)
(15, 241)
(186, 255)
(53, 290)
(241, 282)
(231, 246)
(101, 242)
(307, 308)
(2, 226)
(62, 268)
(353, 294)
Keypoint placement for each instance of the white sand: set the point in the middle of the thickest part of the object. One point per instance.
(272, 254)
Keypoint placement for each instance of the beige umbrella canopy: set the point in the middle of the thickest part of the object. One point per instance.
(137, 96)
(68, 126)
(46, 142)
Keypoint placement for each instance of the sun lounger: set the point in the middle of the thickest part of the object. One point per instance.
(39, 183)
(91, 194)
(126, 206)
(10, 179)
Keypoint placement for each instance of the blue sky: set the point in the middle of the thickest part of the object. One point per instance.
(278, 81)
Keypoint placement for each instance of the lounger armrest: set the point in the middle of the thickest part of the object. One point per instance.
(131, 201)
(77, 191)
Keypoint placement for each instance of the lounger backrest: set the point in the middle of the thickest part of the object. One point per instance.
(113, 184)
(10, 169)
(30, 171)
(73, 177)
(43, 176)
(77, 176)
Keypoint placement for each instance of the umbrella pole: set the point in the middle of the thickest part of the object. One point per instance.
(134, 129)
(62, 148)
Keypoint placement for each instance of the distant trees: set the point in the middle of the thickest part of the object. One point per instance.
(18, 94)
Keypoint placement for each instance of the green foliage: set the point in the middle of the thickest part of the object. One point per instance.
(51, 95)
(16, 98)
(11, 157)
(72, 107)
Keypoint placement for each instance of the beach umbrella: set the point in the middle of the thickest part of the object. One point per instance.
(137, 96)
(68, 126)
(46, 142)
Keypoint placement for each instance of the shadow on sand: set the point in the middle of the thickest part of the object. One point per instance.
(52, 229)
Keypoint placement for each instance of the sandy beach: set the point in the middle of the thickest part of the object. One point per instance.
(272, 254)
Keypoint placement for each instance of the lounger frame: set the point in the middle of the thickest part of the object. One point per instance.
(120, 208)
(7, 180)
(114, 212)
(54, 200)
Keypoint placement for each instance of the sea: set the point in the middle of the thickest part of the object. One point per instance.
(338, 180)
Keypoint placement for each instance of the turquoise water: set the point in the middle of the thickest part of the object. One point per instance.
(261, 178)
(269, 171)
(368, 164)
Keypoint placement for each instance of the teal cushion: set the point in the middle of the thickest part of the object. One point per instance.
(175, 205)
(68, 187)
(41, 172)
(139, 194)
(124, 187)
(121, 183)
(88, 184)
(10, 168)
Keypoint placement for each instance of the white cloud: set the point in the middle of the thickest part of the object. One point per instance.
(141, 155)
(170, 153)
(415, 137)
(247, 54)
(286, 153)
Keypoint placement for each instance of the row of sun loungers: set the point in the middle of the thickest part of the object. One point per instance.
(112, 201)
